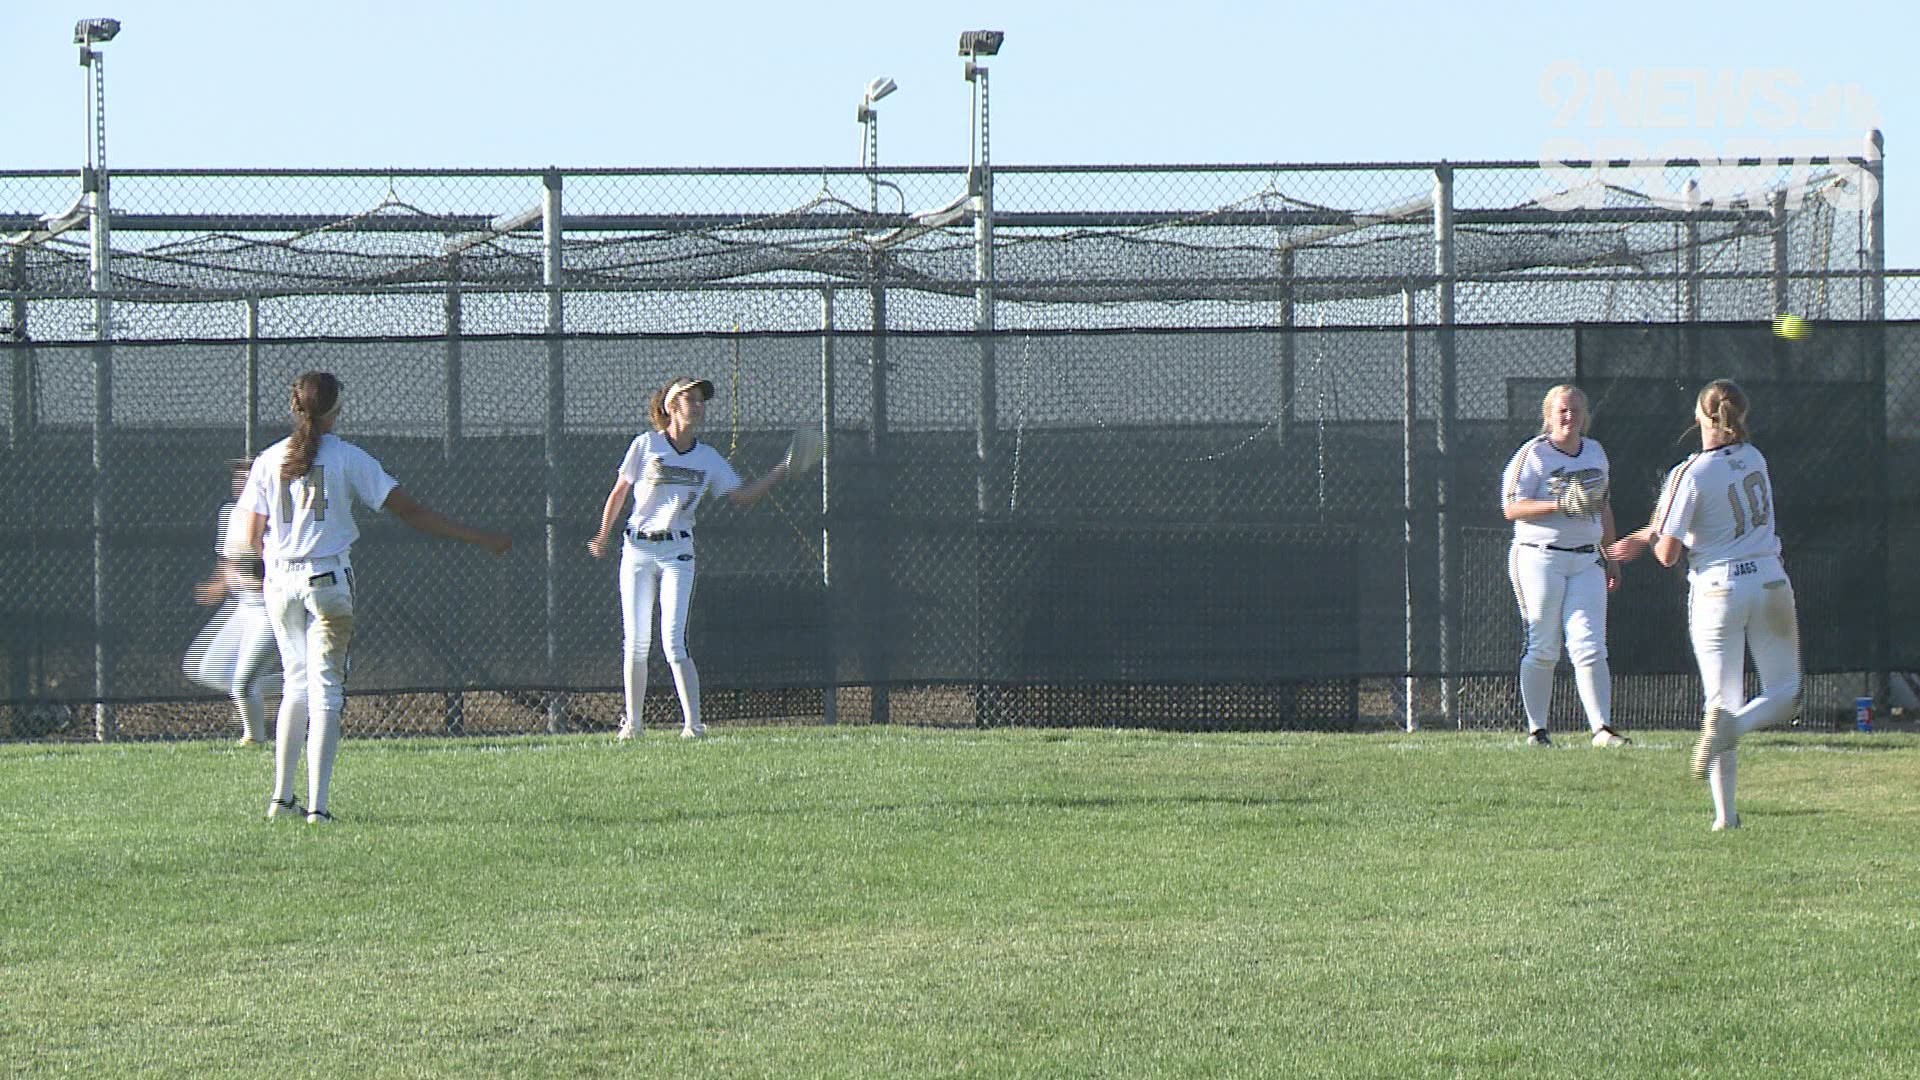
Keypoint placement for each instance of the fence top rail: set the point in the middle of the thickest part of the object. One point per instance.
(1171, 286)
(856, 171)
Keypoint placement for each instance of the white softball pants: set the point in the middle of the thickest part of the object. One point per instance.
(310, 603)
(233, 655)
(658, 572)
(1563, 599)
(1734, 609)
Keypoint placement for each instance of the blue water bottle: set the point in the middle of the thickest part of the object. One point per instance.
(1863, 714)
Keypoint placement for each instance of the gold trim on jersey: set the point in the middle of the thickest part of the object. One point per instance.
(659, 472)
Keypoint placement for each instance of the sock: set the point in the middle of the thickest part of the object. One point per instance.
(1721, 773)
(325, 738)
(289, 740)
(1595, 683)
(1536, 693)
(686, 679)
(636, 690)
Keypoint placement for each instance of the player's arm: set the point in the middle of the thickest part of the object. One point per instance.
(215, 588)
(747, 494)
(1607, 539)
(1668, 550)
(433, 523)
(1522, 475)
(1530, 509)
(609, 514)
(256, 530)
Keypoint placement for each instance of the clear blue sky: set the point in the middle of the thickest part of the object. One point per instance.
(428, 83)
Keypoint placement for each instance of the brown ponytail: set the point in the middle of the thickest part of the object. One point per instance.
(657, 409)
(316, 396)
(1725, 406)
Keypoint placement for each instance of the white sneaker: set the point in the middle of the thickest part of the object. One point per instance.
(278, 808)
(319, 817)
(629, 729)
(1606, 736)
(694, 732)
(1723, 824)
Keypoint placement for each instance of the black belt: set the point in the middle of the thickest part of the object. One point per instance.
(1583, 549)
(657, 537)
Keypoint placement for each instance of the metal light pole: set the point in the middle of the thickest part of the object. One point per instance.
(869, 120)
(86, 34)
(975, 44)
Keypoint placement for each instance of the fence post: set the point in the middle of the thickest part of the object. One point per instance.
(101, 281)
(454, 703)
(1875, 235)
(24, 411)
(1409, 431)
(450, 444)
(1448, 561)
(552, 277)
(876, 643)
(1777, 230)
(1284, 421)
(986, 420)
(830, 692)
(250, 423)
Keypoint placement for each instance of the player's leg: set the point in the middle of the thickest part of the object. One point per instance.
(287, 613)
(1716, 626)
(329, 635)
(639, 582)
(1586, 634)
(1540, 593)
(253, 662)
(676, 600)
(210, 659)
(1773, 636)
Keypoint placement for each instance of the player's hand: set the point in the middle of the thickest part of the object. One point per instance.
(1627, 548)
(210, 591)
(598, 545)
(1613, 575)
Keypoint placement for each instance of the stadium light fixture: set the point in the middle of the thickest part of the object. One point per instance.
(975, 44)
(981, 42)
(876, 90)
(87, 31)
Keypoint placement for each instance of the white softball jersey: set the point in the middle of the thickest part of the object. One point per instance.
(232, 545)
(311, 517)
(1541, 470)
(668, 485)
(1719, 503)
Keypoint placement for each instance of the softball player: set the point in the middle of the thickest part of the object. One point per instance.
(233, 654)
(297, 507)
(1555, 493)
(1717, 508)
(672, 471)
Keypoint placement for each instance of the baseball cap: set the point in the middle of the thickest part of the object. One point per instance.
(685, 383)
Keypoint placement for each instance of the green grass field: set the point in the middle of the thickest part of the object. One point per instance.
(899, 902)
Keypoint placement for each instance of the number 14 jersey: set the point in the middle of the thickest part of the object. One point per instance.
(1719, 503)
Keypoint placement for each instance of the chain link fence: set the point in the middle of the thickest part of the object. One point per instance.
(1202, 446)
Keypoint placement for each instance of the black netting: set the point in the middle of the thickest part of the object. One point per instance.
(1149, 525)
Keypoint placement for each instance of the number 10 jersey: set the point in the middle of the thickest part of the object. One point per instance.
(1719, 503)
